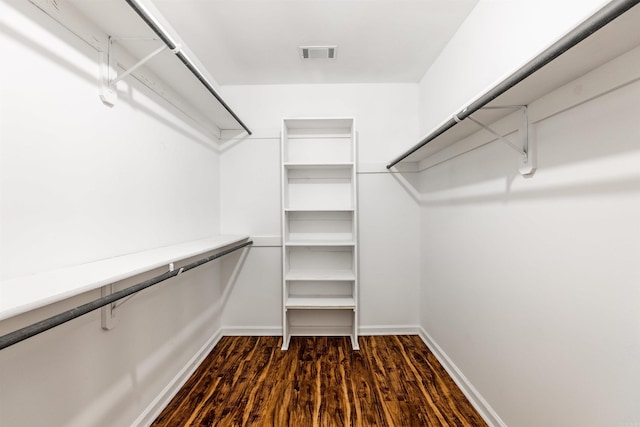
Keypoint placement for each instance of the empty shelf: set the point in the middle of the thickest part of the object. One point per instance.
(323, 209)
(310, 242)
(323, 302)
(325, 165)
(319, 275)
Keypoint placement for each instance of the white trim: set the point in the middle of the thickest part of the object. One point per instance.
(252, 331)
(389, 330)
(156, 406)
(474, 396)
(276, 331)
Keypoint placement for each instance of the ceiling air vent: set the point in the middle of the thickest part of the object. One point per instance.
(318, 52)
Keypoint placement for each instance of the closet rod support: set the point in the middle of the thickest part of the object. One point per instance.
(525, 150)
(500, 137)
(108, 68)
(137, 64)
(108, 316)
(525, 133)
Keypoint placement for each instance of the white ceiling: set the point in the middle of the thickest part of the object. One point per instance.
(256, 41)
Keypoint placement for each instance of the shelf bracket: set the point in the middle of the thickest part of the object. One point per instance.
(108, 315)
(525, 148)
(108, 68)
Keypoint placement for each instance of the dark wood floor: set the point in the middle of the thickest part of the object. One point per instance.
(320, 381)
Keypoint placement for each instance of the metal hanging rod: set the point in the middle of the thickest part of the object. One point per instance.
(53, 321)
(601, 18)
(175, 48)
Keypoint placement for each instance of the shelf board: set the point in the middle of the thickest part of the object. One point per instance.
(323, 209)
(27, 293)
(315, 123)
(324, 165)
(310, 242)
(320, 302)
(320, 275)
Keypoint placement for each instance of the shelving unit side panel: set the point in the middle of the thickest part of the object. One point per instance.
(356, 282)
(284, 231)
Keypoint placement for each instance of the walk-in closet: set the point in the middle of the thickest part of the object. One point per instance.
(320, 213)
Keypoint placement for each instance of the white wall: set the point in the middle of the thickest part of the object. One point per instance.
(386, 117)
(82, 182)
(530, 286)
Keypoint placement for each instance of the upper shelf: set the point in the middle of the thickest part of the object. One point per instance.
(178, 76)
(616, 32)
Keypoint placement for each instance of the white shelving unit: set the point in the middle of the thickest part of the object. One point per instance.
(320, 228)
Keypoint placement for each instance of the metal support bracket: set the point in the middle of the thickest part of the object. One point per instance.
(108, 69)
(525, 148)
(108, 314)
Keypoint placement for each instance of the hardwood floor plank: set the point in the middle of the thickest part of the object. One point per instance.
(368, 409)
(320, 381)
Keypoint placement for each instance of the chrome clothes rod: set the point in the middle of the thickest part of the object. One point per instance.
(153, 24)
(601, 18)
(53, 321)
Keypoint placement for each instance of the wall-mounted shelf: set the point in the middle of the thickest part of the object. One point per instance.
(575, 54)
(23, 294)
(138, 28)
(319, 223)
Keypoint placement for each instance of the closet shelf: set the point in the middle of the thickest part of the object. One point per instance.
(27, 293)
(320, 276)
(320, 209)
(320, 302)
(311, 242)
(575, 54)
(336, 165)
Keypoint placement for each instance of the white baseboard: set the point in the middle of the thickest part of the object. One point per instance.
(276, 331)
(478, 402)
(252, 331)
(389, 330)
(162, 400)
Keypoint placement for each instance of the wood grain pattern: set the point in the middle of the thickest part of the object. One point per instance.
(320, 381)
